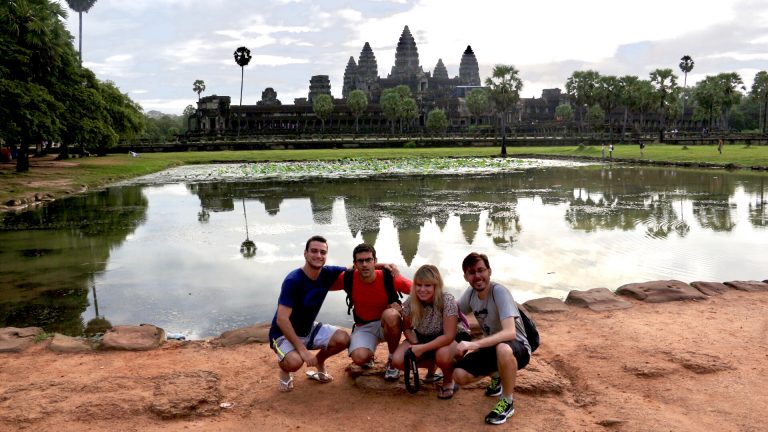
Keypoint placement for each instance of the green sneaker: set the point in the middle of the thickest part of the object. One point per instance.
(494, 388)
(501, 412)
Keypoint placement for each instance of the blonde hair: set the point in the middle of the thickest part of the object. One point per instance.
(426, 274)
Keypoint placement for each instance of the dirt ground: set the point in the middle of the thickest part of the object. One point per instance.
(682, 366)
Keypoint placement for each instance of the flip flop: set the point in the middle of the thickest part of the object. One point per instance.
(447, 392)
(437, 376)
(321, 377)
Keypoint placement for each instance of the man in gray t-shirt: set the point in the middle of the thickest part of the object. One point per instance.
(504, 347)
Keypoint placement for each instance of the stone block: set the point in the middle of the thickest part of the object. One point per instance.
(14, 339)
(661, 291)
(596, 299)
(133, 338)
(710, 288)
(257, 333)
(546, 305)
(749, 286)
(67, 344)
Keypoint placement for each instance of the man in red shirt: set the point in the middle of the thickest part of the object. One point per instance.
(377, 314)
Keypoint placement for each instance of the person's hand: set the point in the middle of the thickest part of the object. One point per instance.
(392, 269)
(417, 350)
(465, 346)
(308, 358)
(398, 307)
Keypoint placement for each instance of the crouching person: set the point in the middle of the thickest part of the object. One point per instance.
(294, 331)
(504, 347)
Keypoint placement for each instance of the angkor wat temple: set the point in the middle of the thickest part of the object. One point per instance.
(435, 89)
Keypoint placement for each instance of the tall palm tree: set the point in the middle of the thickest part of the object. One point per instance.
(242, 58)
(665, 84)
(504, 86)
(198, 87)
(686, 65)
(81, 6)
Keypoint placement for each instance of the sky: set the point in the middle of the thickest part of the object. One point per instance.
(155, 49)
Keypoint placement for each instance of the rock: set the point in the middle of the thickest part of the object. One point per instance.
(546, 305)
(68, 344)
(596, 299)
(186, 394)
(257, 333)
(661, 291)
(609, 422)
(710, 288)
(647, 370)
(133, 338)
(749, 286)
(377, 383)
(699, 363)
(14, 339)
(540, 378)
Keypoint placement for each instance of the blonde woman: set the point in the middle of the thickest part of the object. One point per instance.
(432, 327)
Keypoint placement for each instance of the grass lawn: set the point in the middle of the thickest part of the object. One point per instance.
(61, 177)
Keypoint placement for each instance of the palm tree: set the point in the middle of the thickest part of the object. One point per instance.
(81, 6)
(242, 58)
(357, 101)
(760, 92)
(504, 86)
(686, 65)
(198, 87)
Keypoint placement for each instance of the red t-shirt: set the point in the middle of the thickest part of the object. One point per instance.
(370, 299)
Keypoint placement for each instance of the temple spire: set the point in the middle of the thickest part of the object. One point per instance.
(406, 56)
(469, 71)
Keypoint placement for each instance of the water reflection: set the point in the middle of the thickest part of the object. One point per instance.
(155, 259)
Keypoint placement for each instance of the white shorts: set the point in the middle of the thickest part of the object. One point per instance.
(366, 336)
(323, 333)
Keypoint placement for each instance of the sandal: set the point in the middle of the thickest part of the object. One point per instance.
(435, 377)
(321, 377)
(447, 392)
(286, 386)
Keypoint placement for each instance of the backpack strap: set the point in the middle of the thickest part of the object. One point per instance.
(348, 282)
(389, 285)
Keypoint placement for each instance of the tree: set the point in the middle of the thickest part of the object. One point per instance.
(607, 94)
(390, 106)
(580, 86)
(322, 105)
(596, 117)
(357, 102)
(504, 86)
(409, 112)
(665, 84)
(759, 91)
(81, 6)
(729, 83)
(705, 95)
(686, 65)
(437, 121)
(199, 86)
(478, 102)
(242, 58)
(564, 113)
(189, 111)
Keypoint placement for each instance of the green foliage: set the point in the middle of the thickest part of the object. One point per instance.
(504, 86)
(198, 87)
(322, 106)
(564, 112)
(437, 121)
(43, 336)
(397, 104)
(580, 87)
(164, 127)
(188, 112)
(410, 145)
(357, 102)
(478, 102)
(596, 117)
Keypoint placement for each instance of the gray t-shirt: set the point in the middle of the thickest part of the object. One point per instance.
(492, 310)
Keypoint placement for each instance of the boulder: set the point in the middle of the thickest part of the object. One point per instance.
(596, 299)
(257, 333)
(540, 378)
(186, 394)
(749, 286)
(661, 291)
(133, 338)
(710, 288)
(14, 339)
(68, 344)
(546, 305)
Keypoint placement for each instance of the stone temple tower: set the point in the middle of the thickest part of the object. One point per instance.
(406, 57)
(349, 77)
(469, 71)
(440, 71)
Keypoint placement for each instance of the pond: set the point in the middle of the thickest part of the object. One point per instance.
(166, 249)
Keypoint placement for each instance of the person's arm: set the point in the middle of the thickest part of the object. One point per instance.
(284, 322)
(389, 266)
(507, 333)
(449, 334)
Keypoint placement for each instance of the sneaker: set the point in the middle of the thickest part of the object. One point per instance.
(501, 412)
(391, 374)
(494, 388)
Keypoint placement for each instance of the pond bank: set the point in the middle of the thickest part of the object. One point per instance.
(683, 365)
